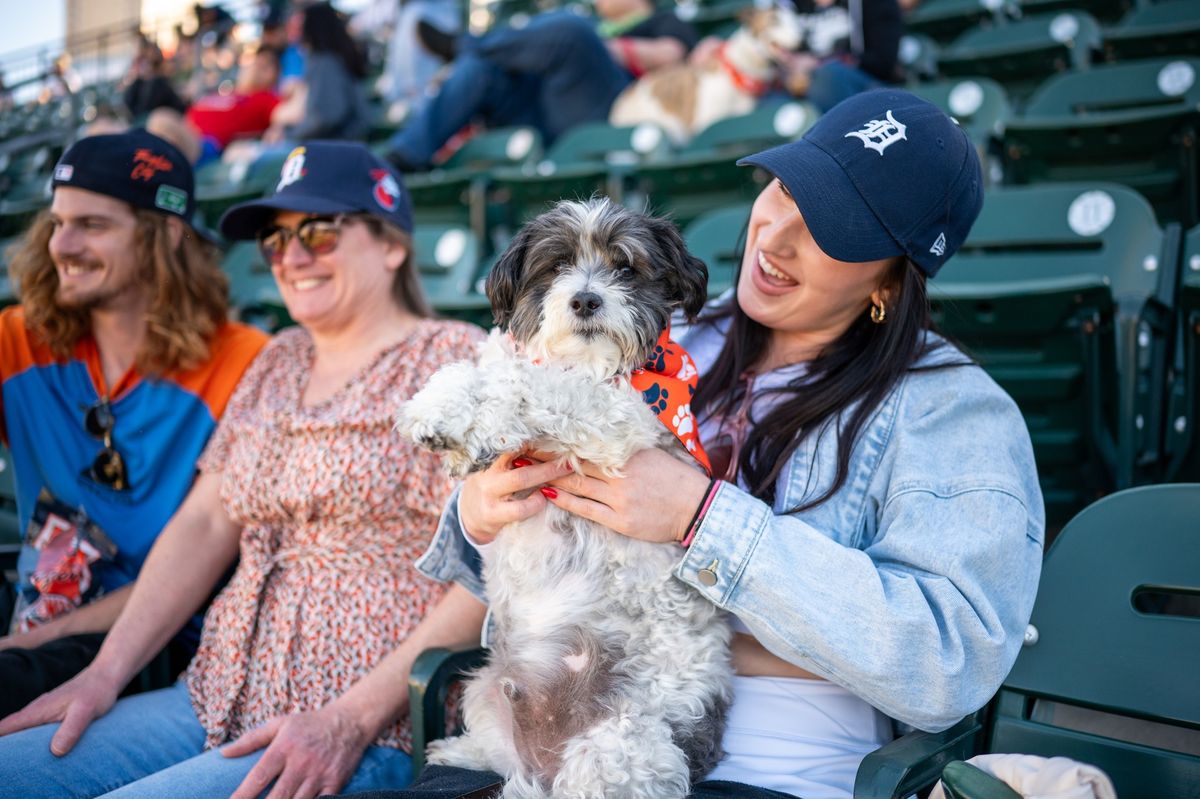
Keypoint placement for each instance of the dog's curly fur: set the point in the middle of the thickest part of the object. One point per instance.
(607, 676)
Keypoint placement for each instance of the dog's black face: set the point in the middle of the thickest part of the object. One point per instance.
(594, 283)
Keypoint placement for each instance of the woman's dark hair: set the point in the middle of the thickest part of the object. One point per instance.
(852, 374)
(324, 31)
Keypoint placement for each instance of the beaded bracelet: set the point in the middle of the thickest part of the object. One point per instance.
(701, 509)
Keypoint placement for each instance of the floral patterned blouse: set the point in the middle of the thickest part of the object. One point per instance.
(335, 507)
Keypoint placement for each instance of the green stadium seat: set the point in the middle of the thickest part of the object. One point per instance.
(220, 186)
(1062, 293)
(253, 292)
(1103, 677)
(1104, 10)
(945, 20)
(1183, 413)
(717, 238)
(980, 105)
(1133, 123)
(714, 17)
(10, 528)
(704, 175)
(447, 263)
(456, 192)
(8, 291)
(1022, 54)
(1154, 31)
(589, 160)
(918, 55)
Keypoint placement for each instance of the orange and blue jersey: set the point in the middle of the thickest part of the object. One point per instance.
(161, 426)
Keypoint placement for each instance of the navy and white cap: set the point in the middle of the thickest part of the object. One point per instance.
(881, 174)
(326, 177)
(135, 166)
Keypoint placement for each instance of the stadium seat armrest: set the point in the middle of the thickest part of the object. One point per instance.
(914, 761)
(428, 684)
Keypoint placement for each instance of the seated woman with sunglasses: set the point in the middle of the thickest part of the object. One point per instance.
(301, 672)
(875, 528)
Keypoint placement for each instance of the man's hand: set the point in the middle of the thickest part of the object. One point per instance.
(308, 754)
(76, 704)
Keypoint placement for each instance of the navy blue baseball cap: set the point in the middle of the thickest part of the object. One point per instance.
(135, 166)
(881, 174)
(326, 177)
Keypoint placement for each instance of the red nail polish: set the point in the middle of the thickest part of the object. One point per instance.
(548, 492)
(519, 462)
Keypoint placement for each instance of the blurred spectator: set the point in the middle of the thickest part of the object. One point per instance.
(335, 105)
(6, 100)
(148, 85)
(220, 118)
(558, 71)
(851, 46)
(408, 67)
(60, 81)
(215, 22)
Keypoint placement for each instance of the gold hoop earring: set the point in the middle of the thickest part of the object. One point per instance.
(878, 313)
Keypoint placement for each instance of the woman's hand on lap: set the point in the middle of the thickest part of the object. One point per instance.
(308, 754)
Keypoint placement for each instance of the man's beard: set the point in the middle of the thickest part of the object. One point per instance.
(94, 299)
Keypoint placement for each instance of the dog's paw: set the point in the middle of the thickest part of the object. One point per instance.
(461, 751)
(439, 416)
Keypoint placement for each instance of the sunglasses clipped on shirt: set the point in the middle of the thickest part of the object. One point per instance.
(109, 467)
(318, 235)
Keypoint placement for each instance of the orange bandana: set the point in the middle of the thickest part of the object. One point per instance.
(667, 382)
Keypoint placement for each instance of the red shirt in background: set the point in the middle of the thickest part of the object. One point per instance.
(223, 117)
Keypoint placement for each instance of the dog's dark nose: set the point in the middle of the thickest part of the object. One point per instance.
(585, 303)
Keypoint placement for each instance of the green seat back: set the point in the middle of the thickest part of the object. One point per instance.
(589, 160)
(1115, 632)
(455, 192)
(980, 105)
(253, 292)
(714, 17)
(945, 20)
(447, 262)
(10, 528)
(704, 175)
(1049, 293)
(716, 238)
(1021, 54)
(1153, 31)
(918, 53)
(1104, 10)
(1183, 412)
(1143, 116)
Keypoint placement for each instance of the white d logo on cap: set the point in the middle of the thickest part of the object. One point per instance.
(880, 134)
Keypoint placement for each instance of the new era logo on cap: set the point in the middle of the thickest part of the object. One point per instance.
(939, 246)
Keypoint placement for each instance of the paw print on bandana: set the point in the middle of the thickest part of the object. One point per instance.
(682, 421)
(656, 398)
(687, 369)
(657, 361)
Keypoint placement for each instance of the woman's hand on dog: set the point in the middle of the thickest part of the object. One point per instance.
(504, 493)
(655, 499)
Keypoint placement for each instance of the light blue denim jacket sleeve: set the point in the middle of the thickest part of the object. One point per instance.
(912, 586)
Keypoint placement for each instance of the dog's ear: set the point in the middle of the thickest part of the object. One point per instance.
(502, 281)
(686, 275)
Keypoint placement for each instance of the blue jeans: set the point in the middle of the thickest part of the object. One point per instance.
(552, 74)
(834, 81)
(151, 745)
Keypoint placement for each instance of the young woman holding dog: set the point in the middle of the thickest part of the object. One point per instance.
(874, 525)
(299, 684)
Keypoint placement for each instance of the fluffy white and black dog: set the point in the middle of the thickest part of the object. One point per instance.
(607, 677)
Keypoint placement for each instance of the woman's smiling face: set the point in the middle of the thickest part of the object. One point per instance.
(789, 285)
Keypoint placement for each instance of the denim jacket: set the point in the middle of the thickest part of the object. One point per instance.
(912, 585)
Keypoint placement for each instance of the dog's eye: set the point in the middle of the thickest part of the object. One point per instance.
(625, 272)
